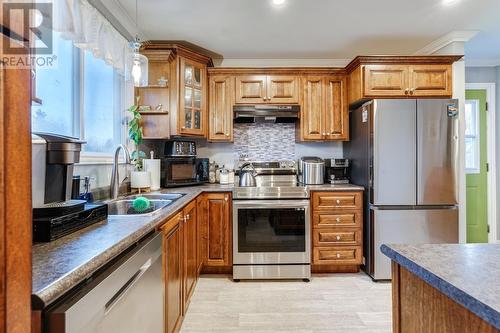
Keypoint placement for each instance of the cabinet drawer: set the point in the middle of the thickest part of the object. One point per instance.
(332, 236)
(337, 219)
(337, 255)
(335, 200)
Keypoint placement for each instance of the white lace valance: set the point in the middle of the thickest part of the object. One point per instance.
(79, 21)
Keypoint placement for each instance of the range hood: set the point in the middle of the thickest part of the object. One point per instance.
(266, 113)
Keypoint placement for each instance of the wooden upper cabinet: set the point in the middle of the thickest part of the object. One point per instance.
(251, 89)
(386, 80)
(220, 112)
(430, 80)
(312, 112)
(400, 77)
(282, 89)
(192, 102)
(325, 114)
(336, 109)
(274, 89)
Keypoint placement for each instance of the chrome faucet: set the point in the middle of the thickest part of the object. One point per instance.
(114, 186)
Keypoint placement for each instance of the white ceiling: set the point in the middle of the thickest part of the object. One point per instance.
(318, 29)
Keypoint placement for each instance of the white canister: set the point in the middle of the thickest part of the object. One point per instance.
(224, 176)
(153, 166)
(140, 179)
(231, 176)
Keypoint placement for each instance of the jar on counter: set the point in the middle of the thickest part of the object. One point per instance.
(211, 172)
(224, 176)
(231, 176)
(217, 173)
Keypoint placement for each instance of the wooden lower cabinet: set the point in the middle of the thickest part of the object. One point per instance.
(172, 271)
(216, 235)
(190, 248)
(337, 231)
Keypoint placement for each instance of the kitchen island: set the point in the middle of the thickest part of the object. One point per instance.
(445, 287)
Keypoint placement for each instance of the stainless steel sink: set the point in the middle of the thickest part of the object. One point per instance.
(158, 196)
(158, 201)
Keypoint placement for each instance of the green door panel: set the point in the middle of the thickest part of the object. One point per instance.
(476, 183)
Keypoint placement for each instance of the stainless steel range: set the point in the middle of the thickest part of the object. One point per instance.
(271, 224)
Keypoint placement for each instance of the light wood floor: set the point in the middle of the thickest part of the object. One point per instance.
(329, 303)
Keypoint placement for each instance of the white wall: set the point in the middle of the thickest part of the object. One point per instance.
(490, 75)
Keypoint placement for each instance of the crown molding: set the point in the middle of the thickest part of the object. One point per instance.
(452, 37)
(259, 63)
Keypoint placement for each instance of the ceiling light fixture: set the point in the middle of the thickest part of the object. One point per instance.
(278, 2)
(136, 66)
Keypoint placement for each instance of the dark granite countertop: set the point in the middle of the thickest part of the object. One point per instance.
(60, 265)
(467, 273)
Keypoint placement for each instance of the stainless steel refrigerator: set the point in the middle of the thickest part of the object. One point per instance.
(405, 153)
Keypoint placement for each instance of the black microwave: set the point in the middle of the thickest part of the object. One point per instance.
(183, 171)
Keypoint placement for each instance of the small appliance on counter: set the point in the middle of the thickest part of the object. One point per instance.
(181, 167)
(55, 214)
(311, 170)
(336, 171)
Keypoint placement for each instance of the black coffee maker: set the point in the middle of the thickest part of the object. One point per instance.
(55, 214)
(336, 171)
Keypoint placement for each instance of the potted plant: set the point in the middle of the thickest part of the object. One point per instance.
(139, 179)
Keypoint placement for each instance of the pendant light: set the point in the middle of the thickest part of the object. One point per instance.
(136, 66)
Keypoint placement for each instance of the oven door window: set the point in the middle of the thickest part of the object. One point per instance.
(271, 230)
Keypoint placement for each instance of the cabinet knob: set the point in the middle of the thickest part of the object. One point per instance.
(338, 255)
(188, 217)
(227, 134)
(412, 90)
(183, 127)
(225, 198)
(338, 237)
(338, 201)
(337, 219)
(328, 133)
(407, 90)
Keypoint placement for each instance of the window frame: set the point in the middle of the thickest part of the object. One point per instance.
(476, 137)
(78, 116)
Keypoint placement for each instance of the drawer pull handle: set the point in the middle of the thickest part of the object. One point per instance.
(338, 237)
(338, 201)
(338, 255)
(337, 219)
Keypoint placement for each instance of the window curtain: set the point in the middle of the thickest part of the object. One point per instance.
(79, 21)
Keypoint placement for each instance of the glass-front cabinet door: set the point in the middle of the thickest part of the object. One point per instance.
(192, 106)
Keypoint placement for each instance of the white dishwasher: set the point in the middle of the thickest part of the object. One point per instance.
(128, 297)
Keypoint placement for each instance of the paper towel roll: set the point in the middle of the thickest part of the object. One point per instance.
(153, 166)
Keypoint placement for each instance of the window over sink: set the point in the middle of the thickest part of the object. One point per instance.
(81, 97)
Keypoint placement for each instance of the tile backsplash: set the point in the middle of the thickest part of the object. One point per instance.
(264, 141)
